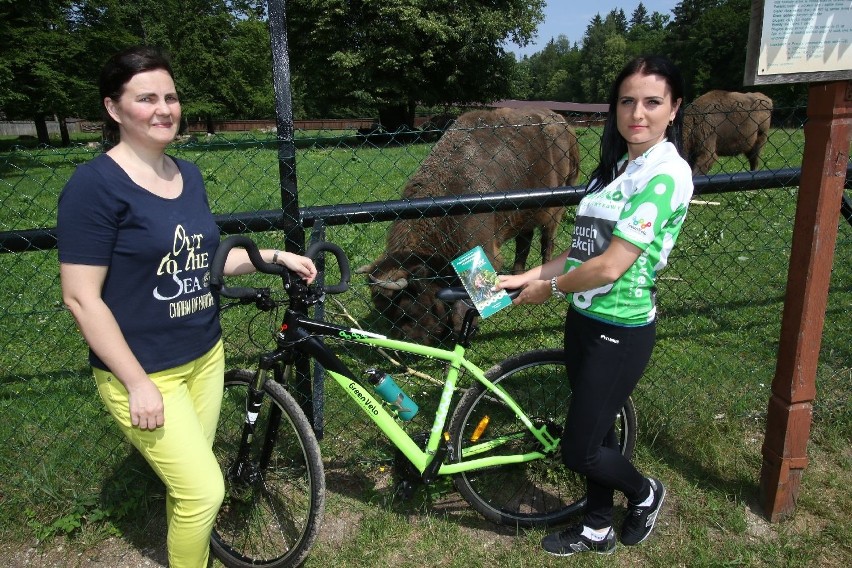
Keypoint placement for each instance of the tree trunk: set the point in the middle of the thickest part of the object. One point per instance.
(41, 129)
(394, 118)
(63, 132)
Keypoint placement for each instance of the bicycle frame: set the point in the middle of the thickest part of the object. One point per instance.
(301, 334)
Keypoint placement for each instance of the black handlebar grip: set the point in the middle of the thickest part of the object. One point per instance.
(455, 293)
(217, 267)
(313, 253)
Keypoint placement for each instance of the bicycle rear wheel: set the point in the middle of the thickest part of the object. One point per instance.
(536, 493)
(274, 500)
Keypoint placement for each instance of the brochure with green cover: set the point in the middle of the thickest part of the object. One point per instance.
(478, 276)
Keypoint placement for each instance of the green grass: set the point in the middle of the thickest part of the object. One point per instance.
(66, 474)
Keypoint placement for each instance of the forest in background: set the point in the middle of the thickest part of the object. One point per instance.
(389, 60)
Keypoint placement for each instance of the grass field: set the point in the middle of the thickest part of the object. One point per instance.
(66, 479)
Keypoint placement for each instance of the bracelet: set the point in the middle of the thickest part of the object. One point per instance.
(554, 289)
(275, 256)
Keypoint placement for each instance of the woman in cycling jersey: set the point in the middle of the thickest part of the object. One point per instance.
(626, 226)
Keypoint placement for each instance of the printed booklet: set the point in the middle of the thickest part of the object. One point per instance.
(479, 278)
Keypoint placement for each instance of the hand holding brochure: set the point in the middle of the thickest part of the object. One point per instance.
(478, 276)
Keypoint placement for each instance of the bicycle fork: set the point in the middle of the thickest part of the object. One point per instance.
(243, 468)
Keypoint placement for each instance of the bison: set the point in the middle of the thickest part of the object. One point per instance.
(723, 123)
(482, 152)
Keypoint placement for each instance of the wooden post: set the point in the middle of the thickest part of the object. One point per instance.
(826, 156)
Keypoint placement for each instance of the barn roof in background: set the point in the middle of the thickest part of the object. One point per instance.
(552, 105)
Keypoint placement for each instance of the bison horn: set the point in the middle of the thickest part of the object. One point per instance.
(398, 284)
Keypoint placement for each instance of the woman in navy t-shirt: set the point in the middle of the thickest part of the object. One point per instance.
(136, 237)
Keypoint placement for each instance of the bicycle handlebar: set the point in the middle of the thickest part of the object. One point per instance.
(452, 294)
(313, 253)
(217, 267)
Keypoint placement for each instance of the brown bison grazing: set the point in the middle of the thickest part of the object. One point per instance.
(482, 152)
(722, 123)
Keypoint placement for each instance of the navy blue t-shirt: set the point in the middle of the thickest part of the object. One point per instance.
(158, 252)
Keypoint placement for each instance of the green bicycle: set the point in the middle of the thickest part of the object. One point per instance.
(500, 444)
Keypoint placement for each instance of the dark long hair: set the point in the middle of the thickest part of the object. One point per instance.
(122, 67)
(613, 145)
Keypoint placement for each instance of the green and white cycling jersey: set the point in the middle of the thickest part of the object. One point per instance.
(646, 206)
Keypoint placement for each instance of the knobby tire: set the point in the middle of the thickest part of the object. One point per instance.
(271, 515)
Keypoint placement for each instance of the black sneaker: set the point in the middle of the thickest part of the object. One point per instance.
(571, 541)
(640, 520)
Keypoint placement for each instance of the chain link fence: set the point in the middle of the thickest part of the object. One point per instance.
(63, 463)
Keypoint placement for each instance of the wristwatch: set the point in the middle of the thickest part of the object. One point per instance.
(555, 289)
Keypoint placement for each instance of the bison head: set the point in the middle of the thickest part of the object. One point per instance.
(404, 290)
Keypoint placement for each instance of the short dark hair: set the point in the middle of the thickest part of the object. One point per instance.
(613, 145)
(121, 68)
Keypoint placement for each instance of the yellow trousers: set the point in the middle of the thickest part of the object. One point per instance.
(180, 452)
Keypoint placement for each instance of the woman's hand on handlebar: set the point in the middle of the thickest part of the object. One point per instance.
(238, 262)
(301, 265)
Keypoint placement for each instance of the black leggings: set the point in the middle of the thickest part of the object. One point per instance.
(605, 362)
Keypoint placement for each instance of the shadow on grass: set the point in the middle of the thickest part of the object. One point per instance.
(438, 499)
(136, 498)
(667, 447)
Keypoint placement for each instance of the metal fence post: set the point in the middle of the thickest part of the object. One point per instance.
(294, 233)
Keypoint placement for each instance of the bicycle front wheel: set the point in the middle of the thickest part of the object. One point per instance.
(274, 499)
(537, 493)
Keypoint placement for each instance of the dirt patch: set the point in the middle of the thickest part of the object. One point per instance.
(757, 527)
(109, 553)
